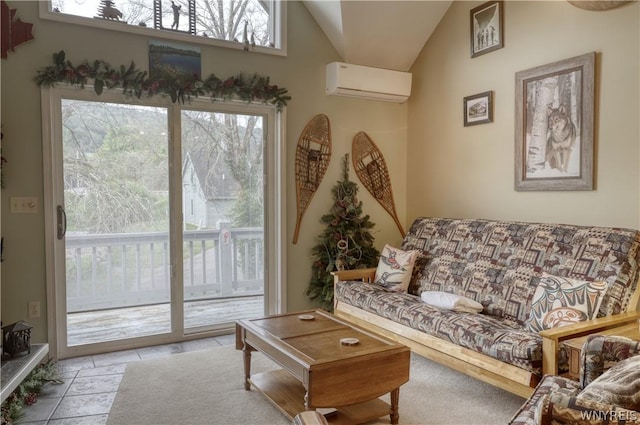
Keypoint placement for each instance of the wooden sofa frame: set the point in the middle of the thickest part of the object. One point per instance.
(472, 363)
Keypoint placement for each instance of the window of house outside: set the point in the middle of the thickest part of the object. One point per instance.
(252, 25)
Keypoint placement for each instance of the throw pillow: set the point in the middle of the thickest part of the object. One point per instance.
(560, 301)
(450, 301)
(619, 385)
(395, 268)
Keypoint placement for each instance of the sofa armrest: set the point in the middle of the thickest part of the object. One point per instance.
(551, 338)
(365, 275)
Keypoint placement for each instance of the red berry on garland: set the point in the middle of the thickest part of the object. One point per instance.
(30, 399)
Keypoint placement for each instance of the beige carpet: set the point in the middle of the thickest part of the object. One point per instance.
(206, 388)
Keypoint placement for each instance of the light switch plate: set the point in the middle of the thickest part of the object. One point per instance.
(24, 205)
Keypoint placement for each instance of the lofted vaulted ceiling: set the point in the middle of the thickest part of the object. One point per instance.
(383, 34)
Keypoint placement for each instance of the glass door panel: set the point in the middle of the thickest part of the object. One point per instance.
(116, 200)
(223, 217)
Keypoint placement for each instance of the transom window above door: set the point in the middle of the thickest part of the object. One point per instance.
(254, 25)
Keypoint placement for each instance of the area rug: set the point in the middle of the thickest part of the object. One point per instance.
(207, 388)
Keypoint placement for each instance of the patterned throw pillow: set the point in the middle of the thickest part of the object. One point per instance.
(395, 268)
(619, 385)
(561, 301)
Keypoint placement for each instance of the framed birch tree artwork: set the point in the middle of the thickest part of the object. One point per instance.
(554, 125)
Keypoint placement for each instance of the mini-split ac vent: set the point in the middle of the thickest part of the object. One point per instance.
(368, 83)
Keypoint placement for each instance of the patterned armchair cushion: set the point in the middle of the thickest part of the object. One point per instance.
(560, 301)
(619, 385)
(600, 353)
(567, 407)
(560, 408)
(549, 384)
(499, 263)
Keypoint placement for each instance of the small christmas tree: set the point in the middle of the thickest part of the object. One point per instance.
(345, 244)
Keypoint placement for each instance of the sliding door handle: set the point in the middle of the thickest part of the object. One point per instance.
(62, 222)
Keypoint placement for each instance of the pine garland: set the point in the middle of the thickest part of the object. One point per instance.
(28, 391)
(345, 244)
(179, 87)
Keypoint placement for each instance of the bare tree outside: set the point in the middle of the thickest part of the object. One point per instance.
(231, 146)
(119, 179)
(115, 159)
(220, 141)
(220, 19)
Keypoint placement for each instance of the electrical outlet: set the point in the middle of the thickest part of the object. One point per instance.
(34, 309)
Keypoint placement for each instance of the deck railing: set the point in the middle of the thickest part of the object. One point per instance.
(123, 270)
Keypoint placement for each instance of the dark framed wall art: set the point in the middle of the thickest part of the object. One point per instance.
(478, 109)
(487, 30)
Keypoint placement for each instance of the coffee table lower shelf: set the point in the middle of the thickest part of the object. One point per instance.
(287, 394)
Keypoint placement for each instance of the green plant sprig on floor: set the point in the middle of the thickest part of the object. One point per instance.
(28, 391)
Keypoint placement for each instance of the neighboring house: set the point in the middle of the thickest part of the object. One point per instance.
(209, 190)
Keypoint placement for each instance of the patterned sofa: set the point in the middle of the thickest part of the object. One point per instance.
(559, 400)
(498, 264)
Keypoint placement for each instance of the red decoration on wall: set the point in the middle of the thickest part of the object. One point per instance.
(14, 31)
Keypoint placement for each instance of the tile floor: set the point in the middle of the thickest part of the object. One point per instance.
(91, 382)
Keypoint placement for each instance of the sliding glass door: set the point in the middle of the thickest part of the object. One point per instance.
(115, 170)
(223, 216)
(158, 219)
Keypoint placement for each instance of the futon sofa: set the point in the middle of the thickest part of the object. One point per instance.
(607, 392)
(498, 264)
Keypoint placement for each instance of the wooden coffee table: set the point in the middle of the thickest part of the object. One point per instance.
(318, 371)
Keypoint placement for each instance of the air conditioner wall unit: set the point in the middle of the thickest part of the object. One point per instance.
(365, 82)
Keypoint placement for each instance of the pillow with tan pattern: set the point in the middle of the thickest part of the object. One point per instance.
(395, 268)
(560, 301)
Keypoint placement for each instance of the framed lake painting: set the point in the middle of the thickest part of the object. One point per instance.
(168, 60)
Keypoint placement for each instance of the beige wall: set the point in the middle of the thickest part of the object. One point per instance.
(438, 167)
(302, 72)
(462, 171)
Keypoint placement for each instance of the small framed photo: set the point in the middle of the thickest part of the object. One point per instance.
(554, 125)
(478, 109)
(486, 28)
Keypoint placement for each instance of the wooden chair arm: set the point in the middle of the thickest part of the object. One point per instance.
(551, 338)
(588, 326)
(365, 275)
